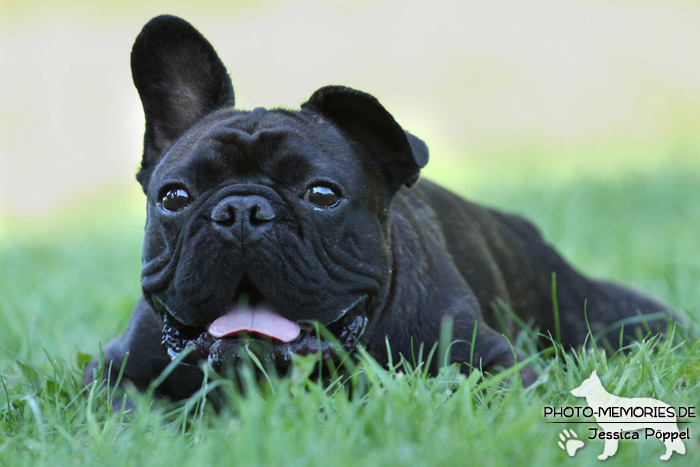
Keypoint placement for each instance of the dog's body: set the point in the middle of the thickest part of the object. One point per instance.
(266, 221)
(598, 399)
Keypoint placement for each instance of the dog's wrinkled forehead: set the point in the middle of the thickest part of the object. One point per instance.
(279, 145)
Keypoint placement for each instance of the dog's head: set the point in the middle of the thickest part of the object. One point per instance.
(588, 386)
(261, 222)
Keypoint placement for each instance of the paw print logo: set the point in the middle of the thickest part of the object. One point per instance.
(569, 443)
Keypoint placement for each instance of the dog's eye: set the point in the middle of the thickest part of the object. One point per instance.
(322, 195)
(174, 198)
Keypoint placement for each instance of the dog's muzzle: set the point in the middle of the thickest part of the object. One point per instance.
(242, 217)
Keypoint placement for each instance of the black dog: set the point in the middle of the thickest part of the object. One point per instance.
(264, 222)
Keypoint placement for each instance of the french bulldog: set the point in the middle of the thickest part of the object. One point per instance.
(262, 224)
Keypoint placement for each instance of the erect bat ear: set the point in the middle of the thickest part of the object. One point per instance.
(180, 79)
(399, 154)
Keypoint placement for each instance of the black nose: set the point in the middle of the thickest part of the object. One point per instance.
(242, 215)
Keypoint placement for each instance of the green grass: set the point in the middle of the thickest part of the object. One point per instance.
(67, 285)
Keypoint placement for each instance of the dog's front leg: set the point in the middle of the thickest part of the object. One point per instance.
(147, 359)
(609, 449)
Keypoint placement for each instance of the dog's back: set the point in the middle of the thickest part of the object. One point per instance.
(505, 260)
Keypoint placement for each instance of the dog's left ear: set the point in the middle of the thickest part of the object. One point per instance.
(180, 79)
(399, 154)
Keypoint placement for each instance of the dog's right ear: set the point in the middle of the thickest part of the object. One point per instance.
(180, 79)
(399, 154)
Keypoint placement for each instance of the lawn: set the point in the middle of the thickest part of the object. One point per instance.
(67, 285)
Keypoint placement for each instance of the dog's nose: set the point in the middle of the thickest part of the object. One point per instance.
(242, 215)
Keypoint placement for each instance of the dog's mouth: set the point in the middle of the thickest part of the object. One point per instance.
(252, 322)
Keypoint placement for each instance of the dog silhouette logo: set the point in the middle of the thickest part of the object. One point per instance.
(620, 417)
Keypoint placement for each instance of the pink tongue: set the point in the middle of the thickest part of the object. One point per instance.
(261, 320)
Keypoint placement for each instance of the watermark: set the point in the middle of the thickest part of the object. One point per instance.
(620, 418)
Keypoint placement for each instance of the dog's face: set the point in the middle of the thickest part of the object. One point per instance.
(262, 223)
(587, 386)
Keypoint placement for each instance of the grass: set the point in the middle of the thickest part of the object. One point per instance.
(67, 284)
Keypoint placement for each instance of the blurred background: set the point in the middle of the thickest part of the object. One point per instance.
(561, 78)
(582, 115)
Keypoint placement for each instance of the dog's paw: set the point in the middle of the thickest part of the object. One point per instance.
(568, 442)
